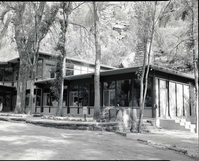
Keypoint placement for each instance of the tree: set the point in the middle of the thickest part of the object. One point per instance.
(66, 10)
(145, 20)
(30, 27)
(97, 64)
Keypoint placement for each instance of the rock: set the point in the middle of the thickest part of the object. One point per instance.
(113, 114)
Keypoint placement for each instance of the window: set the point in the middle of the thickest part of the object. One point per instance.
(77, 69)
(27, 97)
(1, 74)
(38, 97)
(69, 69)
(79, 95)
(73, 95)
(47, 100)
(16, 73)
(148, 101)
(8, 74)
(39, 68)
(83, 95)
(84, 69)
(73, 98)
(90, 70)
(109, 94)
(124, 95)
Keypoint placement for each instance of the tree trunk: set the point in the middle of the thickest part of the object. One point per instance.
(141, 91)
(21, 87)
(32, 83)
(59, 110)
(97, 66)
(147, 72)
(195, 64)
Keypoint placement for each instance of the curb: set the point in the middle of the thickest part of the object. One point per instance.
(121, 133)
(159, 145)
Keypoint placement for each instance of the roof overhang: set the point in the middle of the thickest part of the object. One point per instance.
(80, 76)
(4, 87)
(119, 71)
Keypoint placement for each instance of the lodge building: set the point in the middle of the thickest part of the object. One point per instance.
(170, 94)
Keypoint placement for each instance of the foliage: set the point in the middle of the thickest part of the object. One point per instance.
(56, 83)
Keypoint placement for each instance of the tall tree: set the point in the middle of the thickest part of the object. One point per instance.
(97, 64)
(65, 12)
(30, 27)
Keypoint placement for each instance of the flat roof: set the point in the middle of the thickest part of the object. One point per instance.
(123, 71)
(15, 60)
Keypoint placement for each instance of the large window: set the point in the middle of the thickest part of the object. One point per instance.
(47, 101)
(73, 96)
(109, 93)
(76, 69)
(148, 101)
(83, 95)
(124, 95)
(79, 95)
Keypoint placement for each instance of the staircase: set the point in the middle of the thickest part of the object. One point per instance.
(176, 124)
(186, 125)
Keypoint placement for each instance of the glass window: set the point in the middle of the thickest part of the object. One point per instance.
(73, 95)
(84, 70)
(69, 72)
(123, 92)
(16, 72)
(109, 85)
(38, 97)
(8, 74)
(90, 70)
(77, 69)
(27, 97)
(109, 93)
(148, 101)
(73, 98)
(83, 95)
(39, 68)
(69, 66)
(1, 74)
(47, 101)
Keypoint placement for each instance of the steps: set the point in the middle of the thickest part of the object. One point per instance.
(177, 124)
(148, 125)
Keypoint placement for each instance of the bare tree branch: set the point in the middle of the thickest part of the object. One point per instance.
(162, 11)
(78, 6)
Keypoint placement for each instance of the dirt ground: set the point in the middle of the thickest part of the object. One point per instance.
(21, 141)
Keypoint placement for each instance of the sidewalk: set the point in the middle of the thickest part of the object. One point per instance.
(181, 141)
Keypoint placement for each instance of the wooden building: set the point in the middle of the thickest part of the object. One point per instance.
(170, 94)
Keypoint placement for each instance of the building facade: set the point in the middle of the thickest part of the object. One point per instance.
(170, 94)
